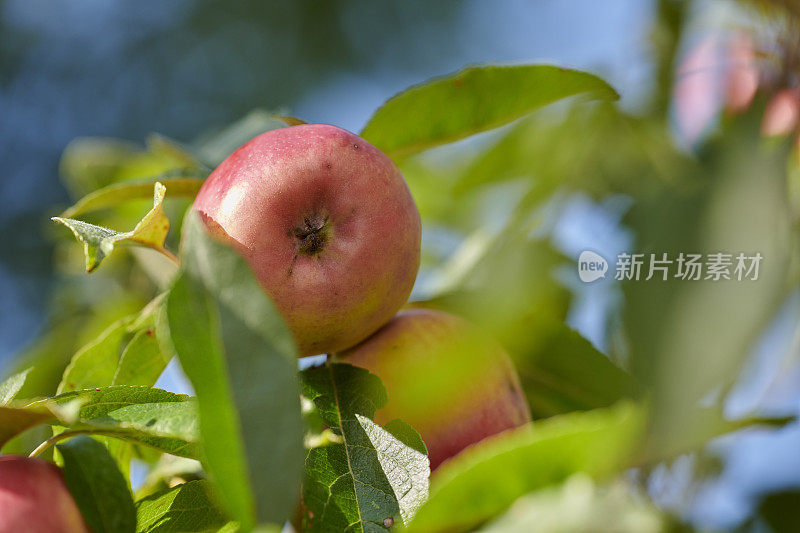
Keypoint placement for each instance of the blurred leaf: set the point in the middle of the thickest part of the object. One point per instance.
(98, 242)
(579, 505)
(187, 507)
(781, 511)
(162, 145)
(376, 473)
(178, 183)
(15, 420)
(98, 487)
(507, 280)
(10, 387)
(701, 425)
(472, 100)
(561, 371)
(688, 339)
(48, 356)
(216, 147)
(486, 478)
(544, 152)
(241, 360)
(89, 164)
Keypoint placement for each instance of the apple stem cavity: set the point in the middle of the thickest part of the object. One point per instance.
(312, 234)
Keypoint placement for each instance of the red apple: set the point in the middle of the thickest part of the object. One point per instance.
(328, 225)
(452, 383)
(34, 498)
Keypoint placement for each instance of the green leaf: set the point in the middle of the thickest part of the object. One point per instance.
(472, 100)
(15, 420)
(181, 183)
(701, 425)
(506, 284)
(376, 473)
(153, 417)
(98, 242)
(97, 485)
(486, 478)
(142, 361)
(241, 360)
(89, 164)
(10, 387)
(188, 507)
(95, 364)
(561, 371)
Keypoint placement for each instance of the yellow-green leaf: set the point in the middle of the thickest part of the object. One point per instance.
(98, 242)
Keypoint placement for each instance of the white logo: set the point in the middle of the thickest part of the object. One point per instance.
(591, 266)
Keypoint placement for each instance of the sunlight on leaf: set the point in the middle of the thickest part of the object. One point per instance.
(11, 386)
(376, 473)
(475, 99)
(98, 242)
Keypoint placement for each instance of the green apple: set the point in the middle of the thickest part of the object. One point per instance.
(449, 380)
(328, 225)
(34, 498)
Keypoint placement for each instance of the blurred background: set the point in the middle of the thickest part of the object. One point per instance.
(74, 74)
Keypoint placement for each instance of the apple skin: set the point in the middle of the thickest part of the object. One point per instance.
(451, 382)
(34, 498)
(328, 225)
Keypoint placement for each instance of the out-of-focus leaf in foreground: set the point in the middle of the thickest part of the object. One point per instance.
(241, 360)
(561, 371)
(98, 487)
(689, 338)
(187, 507)
(376, 473)
(98, 242)
(579, 504)
(475, 99)
(487, 478)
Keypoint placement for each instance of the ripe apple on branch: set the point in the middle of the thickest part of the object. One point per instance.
(330, 229)
(328, 225)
